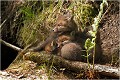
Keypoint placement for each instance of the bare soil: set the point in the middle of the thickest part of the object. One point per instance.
(109, 35)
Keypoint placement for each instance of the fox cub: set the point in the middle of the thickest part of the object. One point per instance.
(62, 39)
(64, 27)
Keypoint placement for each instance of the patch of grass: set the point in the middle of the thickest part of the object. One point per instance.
(84, 14)
(37, 23)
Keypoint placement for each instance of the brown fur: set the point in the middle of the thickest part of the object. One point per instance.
(65, 23)
(61, 39)
(71, 51)
(63, 28)
(46, 45)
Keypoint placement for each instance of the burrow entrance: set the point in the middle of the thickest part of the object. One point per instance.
(7, 56)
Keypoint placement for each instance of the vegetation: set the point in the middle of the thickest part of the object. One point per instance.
(34, 20)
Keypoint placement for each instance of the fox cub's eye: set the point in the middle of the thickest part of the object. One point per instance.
(58, 25)
(62, 41)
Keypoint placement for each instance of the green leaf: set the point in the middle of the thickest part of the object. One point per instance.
(94, 27)
(105, 2)
(92, 33)
(86, 55)
(89, 44)
(93, 40)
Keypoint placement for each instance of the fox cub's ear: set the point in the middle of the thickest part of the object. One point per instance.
(69, 15)
(58, 14)
(66, 13)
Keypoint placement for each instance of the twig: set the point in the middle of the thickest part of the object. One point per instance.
(15, 47)
(10, 45)
(105, 12)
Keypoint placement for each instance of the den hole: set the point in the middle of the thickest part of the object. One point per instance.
(7, 56)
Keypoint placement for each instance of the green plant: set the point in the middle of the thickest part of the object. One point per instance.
(90, 44)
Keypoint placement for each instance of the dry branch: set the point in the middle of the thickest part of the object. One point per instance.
(15, 47)
(71, 65)
(10, 45)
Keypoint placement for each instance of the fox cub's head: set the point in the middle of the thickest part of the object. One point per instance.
(65, 23)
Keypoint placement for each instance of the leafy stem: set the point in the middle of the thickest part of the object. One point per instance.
(91, 43)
